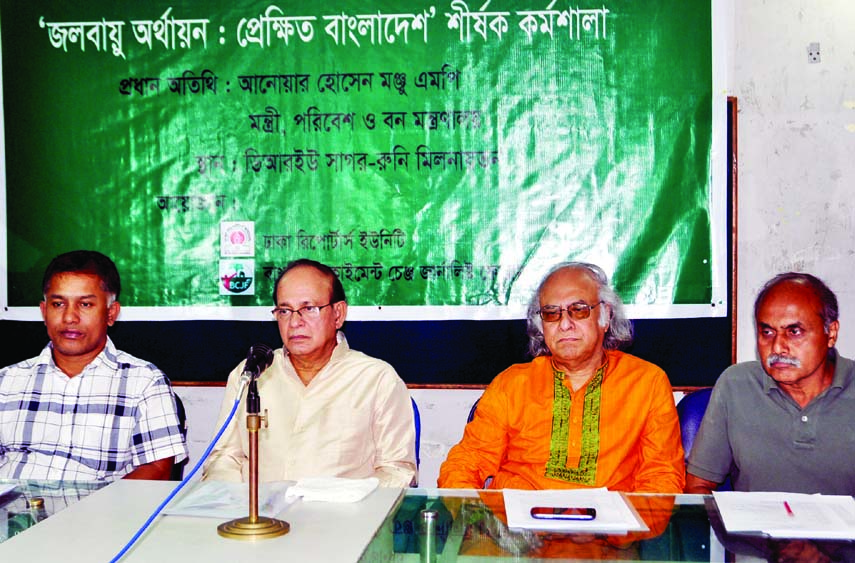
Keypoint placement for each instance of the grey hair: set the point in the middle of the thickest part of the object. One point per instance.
(619, 332)
(829, 312)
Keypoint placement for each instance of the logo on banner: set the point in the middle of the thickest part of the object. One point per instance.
(236, 277)
(237, 238)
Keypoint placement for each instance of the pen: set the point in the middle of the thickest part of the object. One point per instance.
(789, 510)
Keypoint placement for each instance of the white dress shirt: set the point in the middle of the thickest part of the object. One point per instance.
(354, 419)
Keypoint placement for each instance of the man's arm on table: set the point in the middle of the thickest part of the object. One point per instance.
(394, 433)
(160, 470)
(480, 452)
(699, 486)
(158, 441)
(662, 469)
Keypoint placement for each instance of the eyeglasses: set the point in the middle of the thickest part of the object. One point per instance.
(577, 311)
(309, 312)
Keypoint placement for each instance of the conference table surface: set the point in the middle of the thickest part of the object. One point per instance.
(384, 527)
(98, 526)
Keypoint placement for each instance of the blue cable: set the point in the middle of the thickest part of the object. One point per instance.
(180, 485)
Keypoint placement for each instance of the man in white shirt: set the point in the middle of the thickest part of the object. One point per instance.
(331, 411)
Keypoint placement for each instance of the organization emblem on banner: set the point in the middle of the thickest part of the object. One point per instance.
(237, 238)
(237, 277)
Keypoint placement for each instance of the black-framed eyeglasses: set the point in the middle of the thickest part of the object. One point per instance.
(577, 311)
(309, 312)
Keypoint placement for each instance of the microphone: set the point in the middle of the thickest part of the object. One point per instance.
(258, 359)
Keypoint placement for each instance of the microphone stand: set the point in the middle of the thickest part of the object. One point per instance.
(253, 527)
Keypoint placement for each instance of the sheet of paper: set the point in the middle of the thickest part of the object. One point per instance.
(787, 515)
(217, 499)
(614, 515)
(332, 489)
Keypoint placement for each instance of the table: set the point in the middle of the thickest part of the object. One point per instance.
(383, 528)
(471, 528)
(97, 527)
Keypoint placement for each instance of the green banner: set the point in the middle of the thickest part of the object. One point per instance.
(436, 154)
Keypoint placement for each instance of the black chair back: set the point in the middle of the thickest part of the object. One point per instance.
(178, 468)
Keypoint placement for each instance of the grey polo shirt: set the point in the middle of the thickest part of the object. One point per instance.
(755, 432)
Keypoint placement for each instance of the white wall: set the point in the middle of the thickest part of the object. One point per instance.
(796, 151)
(203, 406)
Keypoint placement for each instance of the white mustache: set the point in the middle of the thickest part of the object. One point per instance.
(779, 359)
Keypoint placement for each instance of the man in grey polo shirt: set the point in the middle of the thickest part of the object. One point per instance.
(786, 423)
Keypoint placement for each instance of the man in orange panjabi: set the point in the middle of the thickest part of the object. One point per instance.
(582, 413)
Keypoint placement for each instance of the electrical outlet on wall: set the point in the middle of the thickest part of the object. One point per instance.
(813, 53)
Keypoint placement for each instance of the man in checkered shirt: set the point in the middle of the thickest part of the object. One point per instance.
(83, 410)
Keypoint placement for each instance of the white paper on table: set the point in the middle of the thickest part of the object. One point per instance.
(614, 514)
(333, 489)
(218, 499)
(765, 513)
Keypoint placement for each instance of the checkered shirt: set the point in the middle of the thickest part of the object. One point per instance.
(117, 414)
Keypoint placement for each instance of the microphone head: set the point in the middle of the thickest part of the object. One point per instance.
(258, 359)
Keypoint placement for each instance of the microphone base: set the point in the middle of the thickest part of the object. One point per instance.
(264, 528)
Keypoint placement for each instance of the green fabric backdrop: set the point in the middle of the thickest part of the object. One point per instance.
(437, 154)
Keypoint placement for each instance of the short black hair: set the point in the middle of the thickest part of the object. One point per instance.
(85, 262)
(830, 310)
(337, 288)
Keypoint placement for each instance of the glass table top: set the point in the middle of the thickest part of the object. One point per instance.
(471, 526)
(24, 504)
